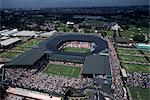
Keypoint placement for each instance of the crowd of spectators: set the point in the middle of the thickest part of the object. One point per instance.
(117, 83)
(75, 44)
(14, 97)
(31, 79)
(66, 63)
(138, 79)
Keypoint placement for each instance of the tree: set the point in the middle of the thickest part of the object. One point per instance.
(64, 30)
(75, 30)
(103, 34)
(114, 35)
(126, 27)
(139, 38)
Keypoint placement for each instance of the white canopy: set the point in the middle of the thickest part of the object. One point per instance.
(9, 41)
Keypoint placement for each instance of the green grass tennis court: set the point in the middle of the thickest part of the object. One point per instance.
(9, 55)
(147, 53)
(12, 53)
(31, 43)
(133, 58)
(138, 93)
(62, 70)
(136, 68)
(127, 51)
(79, 50)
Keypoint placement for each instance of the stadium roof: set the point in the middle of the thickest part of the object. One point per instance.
(96, 64)
(25, 33)
(58, 40)
(27, 58)
(9, 41)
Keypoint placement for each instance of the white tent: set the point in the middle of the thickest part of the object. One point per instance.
(9, 41)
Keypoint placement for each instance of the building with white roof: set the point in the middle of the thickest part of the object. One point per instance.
(70, 23)
(30, 94)
(1, 65)
(7, 33)
(3, 31)
(1, 72)
(116, 27)
(25, 34)
(9, 42)
(4, 38)
(47, 34)
(124, 74)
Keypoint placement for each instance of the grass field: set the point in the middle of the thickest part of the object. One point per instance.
(62, 70)
(9, 55)
(136, 68)
(31, 43)
(27, 45)
(64, 28)
(19, 48)
(133, 58)
(138, 93)
(79, 50)
(132, 52)
(147, 53)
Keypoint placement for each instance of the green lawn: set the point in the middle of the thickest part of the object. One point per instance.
(133, 58)
(145, 30)
(136, 68)
(64, 28)
(31, 43)
(138, 93)
(109, 33)
(20, 48)
(130, 32)
(62, 70)
(9, 55)
(147, 53)
(79, 50)
(27, 45)
(132, 52)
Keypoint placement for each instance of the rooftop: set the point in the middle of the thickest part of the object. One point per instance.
(27, 58)
(25, 33)
(6, 33)
(47, 34)
(9, 41)
(96, 64)
(31, 94)
(3, 31)
(116, 27)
